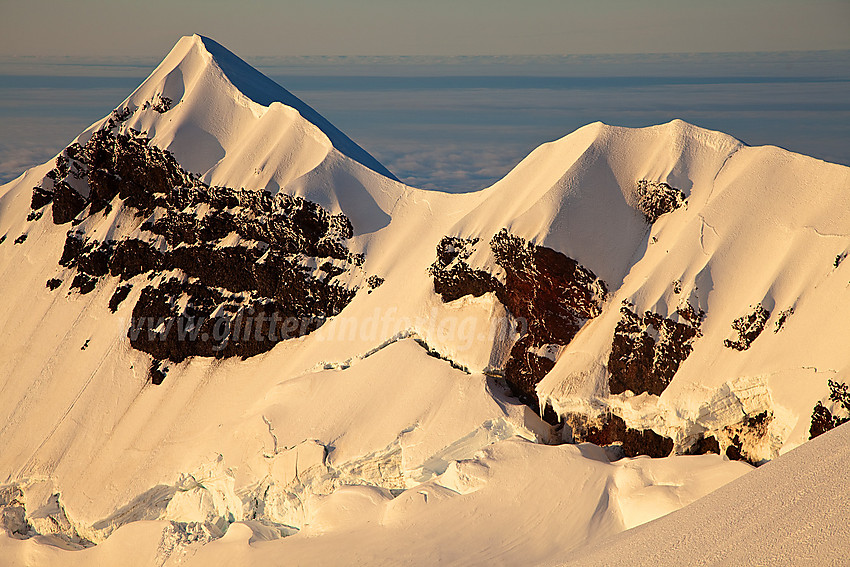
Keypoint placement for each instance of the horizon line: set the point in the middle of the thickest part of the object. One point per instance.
(124, 58)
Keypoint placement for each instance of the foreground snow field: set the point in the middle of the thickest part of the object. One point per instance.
(391, 353)
(789, 512)
(792, 511)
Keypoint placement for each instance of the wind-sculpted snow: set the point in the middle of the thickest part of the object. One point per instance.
(265, 92)
(784, 513)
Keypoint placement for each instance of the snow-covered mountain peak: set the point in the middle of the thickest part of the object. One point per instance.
(581, 194)
(232, 126)
(199, 62)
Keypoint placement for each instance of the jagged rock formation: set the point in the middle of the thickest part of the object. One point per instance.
(655, 198)
(822, 418)
(452, 275)
(610, 430)
(748, 327)
(120, 294)
(551, 293)
(234, 271)
(644, 361)
(782, 318)
(555, 296)
(374, 282)
(161, 104)
(355, 423)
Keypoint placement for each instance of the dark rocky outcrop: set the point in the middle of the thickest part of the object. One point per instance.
(40, 198)
(74, 243)
(645, 362)
(453, 278)
(157, 372)
(782, 319)
(132, 257)
(551, 293)
(67, 203)
(822, 418)
(704, 445)
(655, 198)
(555, 296)
(94, 258)
(162, 104)
(83, 283)
(610, 429)
(118, 296)
(212, 323)
(205, 298)
(90, 258)
(374, 282)
(159, 103)
(748, 327)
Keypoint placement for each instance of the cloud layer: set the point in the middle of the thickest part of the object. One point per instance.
(460, 124)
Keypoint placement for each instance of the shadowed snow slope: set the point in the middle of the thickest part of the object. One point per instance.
(266, 92)
(704, 282)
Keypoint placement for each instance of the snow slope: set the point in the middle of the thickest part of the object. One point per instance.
(801, 519)
(356, 441)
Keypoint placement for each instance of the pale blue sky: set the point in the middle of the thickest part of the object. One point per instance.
(435, 27)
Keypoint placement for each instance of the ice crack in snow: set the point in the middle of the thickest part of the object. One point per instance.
(702, 226)
(824, 234)
(271, 432)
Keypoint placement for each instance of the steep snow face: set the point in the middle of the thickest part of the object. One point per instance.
(266, 92)
(578, 194)
(233, 126)
(757, 254)
(657, 289)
